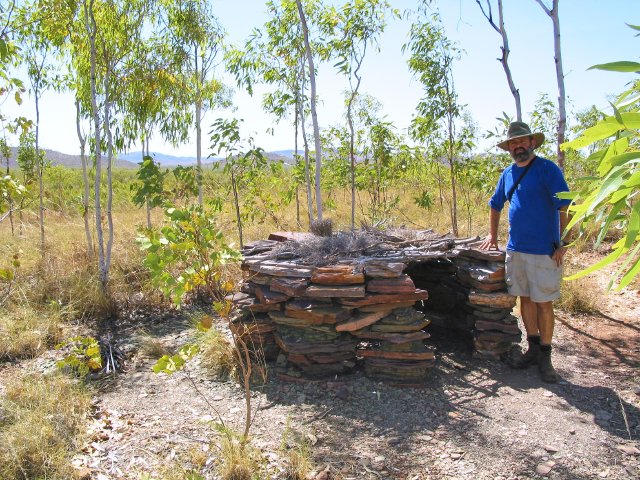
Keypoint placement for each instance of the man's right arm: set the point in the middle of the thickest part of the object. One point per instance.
(491, 242)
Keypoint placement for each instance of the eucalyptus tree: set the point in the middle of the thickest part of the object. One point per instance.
(314, 112)
(356, 26)
(196, 39)
(275, 55)
(431, 62)
(113, 28)
(10, 56)
(487, 11)
(38, 52)
(552, 12)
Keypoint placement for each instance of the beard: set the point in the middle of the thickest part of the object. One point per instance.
(521, 154)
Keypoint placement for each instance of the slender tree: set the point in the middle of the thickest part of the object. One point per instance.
(487, 11)
(359, 25)
(314, 111)
(553, 13)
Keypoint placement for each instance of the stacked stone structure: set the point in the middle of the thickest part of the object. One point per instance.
(372, 308)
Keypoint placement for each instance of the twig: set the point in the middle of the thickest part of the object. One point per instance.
(318, 417)
(203, 396)
(624, 415)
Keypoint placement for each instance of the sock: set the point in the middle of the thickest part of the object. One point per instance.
(533, 339)
(545, 348)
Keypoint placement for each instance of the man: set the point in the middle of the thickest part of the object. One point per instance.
(534, 251)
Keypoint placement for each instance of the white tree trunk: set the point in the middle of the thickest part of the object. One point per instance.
(314, 114)
(85, 182)
(198, 127)
(107, 126)
(40, 167)
(90, 24)
(562, 112)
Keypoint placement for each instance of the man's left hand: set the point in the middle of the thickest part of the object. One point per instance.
(558, 255)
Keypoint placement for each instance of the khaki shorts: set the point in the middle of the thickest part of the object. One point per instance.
(534, 276)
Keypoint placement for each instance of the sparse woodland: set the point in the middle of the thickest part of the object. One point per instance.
(116, 360)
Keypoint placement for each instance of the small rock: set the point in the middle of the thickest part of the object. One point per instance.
(628, 449)
(218, 398)
(544, 468)
(572, 431)
(551, 448)
(547, 394)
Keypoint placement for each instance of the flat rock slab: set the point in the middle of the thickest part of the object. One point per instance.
(396, 338)
(377, 298)
(402, 284)
(483, 325)
(360, 320)
(492, 299)
(337, 291)
(317, 314)
(267, 296)
(397, 355)
(476, 253)
(290, 286)
(381, 269)
(338, 275)
(386, 307)
(281, 270)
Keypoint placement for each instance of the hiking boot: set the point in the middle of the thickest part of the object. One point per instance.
(520, 360)
(547, 372)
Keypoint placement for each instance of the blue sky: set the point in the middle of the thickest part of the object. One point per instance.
(593, 31)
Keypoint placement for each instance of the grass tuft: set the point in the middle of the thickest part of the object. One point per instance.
(217, 354)
(296, 451)
(238, 461)
(578, 296)
(26, 332)
(40, 427)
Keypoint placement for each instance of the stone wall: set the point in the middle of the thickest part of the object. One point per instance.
(371, 310)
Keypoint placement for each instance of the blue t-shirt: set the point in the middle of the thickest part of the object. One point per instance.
(534, 222)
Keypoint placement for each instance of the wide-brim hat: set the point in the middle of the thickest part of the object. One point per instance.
(519, 130)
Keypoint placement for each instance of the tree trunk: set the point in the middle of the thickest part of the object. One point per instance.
(295, 157)
(85, 182)
(314, 113)
(504, 60)
(307, 173)
(237, 205)
(107, 120)
(198, 127)
(562, 112)
(40, 167)
(90, 24)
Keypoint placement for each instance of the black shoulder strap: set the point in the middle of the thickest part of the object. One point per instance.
(515, 185)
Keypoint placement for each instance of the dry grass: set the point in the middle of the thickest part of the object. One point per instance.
(26, 332)
(238, 461)
(40, 427)
(296, 451)
(217, 354)
(579, 296)
(153, 347)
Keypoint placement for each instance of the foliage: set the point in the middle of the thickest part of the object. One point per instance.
(10, 191)
(149, 189)
(189, 253)
(84, 356)
(611, 199)
(170, 364)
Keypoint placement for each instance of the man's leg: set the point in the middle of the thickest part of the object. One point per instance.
(546, 322)
(529, 312)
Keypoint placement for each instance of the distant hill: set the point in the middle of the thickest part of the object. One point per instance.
(172, 161)
(131, 159)
(73, 161)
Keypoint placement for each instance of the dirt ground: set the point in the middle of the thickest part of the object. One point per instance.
(473, 419)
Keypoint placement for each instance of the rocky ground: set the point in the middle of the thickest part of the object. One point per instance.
(473, 419)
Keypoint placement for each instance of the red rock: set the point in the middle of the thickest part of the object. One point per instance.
(266, 296)
(382, 269)
(492, 299)
(338, 275)
(291, 286)
(326, 291)
(360, 320)
(397, 355)
(402, 284)
(376, 298)
(396, 338)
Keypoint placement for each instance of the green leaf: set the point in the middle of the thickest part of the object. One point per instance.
(612, 257)
(623, 66)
